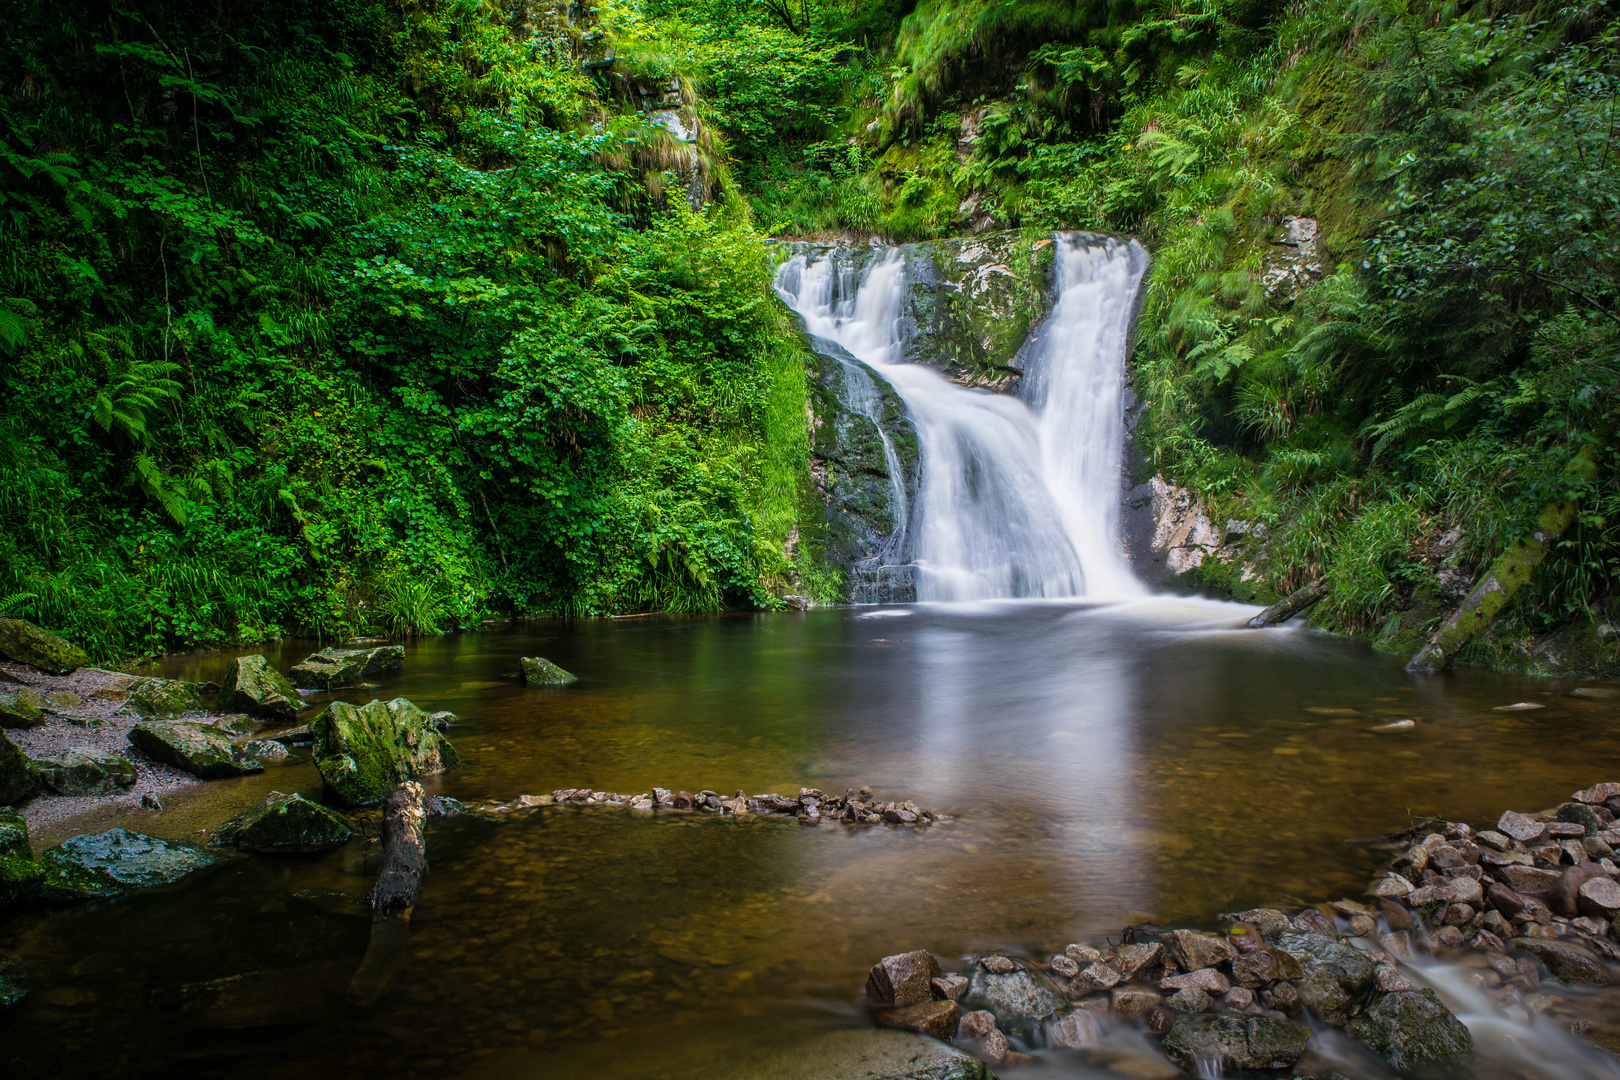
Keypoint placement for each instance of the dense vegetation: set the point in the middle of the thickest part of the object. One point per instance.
(344, 315)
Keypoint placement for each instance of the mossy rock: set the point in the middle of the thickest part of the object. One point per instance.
(26, 881)
(1412, 1028)
(199, 749)
(156, 698)
(1235, 1042)
(333, 669)
(22, 708)
(85, 771)
(538, 671)
(253, 686)
(364, 752)
(19, 778)
(131, 860)
(29, 644)
(286, 823)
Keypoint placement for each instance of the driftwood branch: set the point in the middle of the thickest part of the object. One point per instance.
(1291, 605)
(405, 814)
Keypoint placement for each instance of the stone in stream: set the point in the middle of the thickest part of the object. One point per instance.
(133, 860)
(1189, 1000)
(1135, 1001)
(364, 752)
(1131, 960)
(334, 669)
(1565, 892)
(155, 698)
(253, 686)
(1206, 979)
(285, 823)
(26, 643)
(903, 979)
(935, 1018)
(1077, 1030)
(22, 709)
(1230, 1043)
(1529, 880)
(1411, 1028)
(1599, 898)
(1597, 793)
(1269, 921)
(1194, 950)
(1064, 965)
(1336, 976)
(19, 777)
(199, 749)
(1256, 969)
(1570, 962)
(1020, 1001)
(1520, 827)
(538, 671)
(950, 987)
(85, 771)
(13, 981)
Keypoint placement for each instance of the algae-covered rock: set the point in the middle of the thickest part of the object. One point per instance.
(132, 860)
(28, 644)
(26, 881)
(538, 671)
(364, 752)
(22, 708)
(199, 749)
(85, 771)
(19, 778)
(1410, 1028)
(156, 698)
(1235, 1042)
(253, 686)
(286, 823)
(332, 669)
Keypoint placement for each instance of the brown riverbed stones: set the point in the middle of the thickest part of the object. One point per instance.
(810, 806)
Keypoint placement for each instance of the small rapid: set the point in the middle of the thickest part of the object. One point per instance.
(1019, 496)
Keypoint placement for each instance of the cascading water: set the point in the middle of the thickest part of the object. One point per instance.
(1019, 498)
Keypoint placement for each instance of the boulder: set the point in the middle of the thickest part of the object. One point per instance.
(155, 698)
(333, 669)
(253, 686)
(934, 1018)
(903, 979)
(202, 750)
(1020, 1001)
(22, 709)
(25, 880)
(538, 671)
(133, 860)
(364, 752)
(286, 823)
(1203, 1043)
(1336, 977)
(29, 644)
(1570, 962)
(19, 778)
(1411, 1028)
(85, 771)
(1194, 950)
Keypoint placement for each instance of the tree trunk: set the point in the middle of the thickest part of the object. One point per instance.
(1510, 572)
(405, 814)
(1291, 605)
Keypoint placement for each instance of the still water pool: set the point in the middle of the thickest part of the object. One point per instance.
(1106, 765)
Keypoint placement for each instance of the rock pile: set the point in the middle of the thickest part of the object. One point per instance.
(1536, 896)
(810, 806)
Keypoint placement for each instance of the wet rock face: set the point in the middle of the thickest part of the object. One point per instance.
(85, 771)
(1235, 1042)
(200, 749)
(1020, 1001)
(286, 823)
(538, 671)
(253, 686)
(26, 643)
(1411, 1028)
(19, 779)
(1336, 977)
(133, 860)
(333, 669)
(903, 979)
(364, 752)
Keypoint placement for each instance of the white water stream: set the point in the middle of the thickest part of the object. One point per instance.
(1019, 498)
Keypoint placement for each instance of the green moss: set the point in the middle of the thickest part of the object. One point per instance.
(364, 752)
(29, 644)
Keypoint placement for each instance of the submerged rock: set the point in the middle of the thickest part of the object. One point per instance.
(1235, 1042)
(936, 1018)
(86, 771)
(1337, 977)
(26, 881)
(13, 981)
(29, 644)
(199, 749)
(363, 752)
(253, 686)
(333, 669)
(1410, 1028)
(133, 860)
(286, 823)
(22, 709)
(160, 698)
(538, 671)
(1020, 1001)
(19, 777)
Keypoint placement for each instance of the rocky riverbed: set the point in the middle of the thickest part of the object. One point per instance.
(810, 806)
(1517, 917)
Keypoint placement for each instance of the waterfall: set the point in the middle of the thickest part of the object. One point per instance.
(1019, 497)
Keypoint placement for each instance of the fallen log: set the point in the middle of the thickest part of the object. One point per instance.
(1510, 571)
(392, 898)
(1290, 605)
